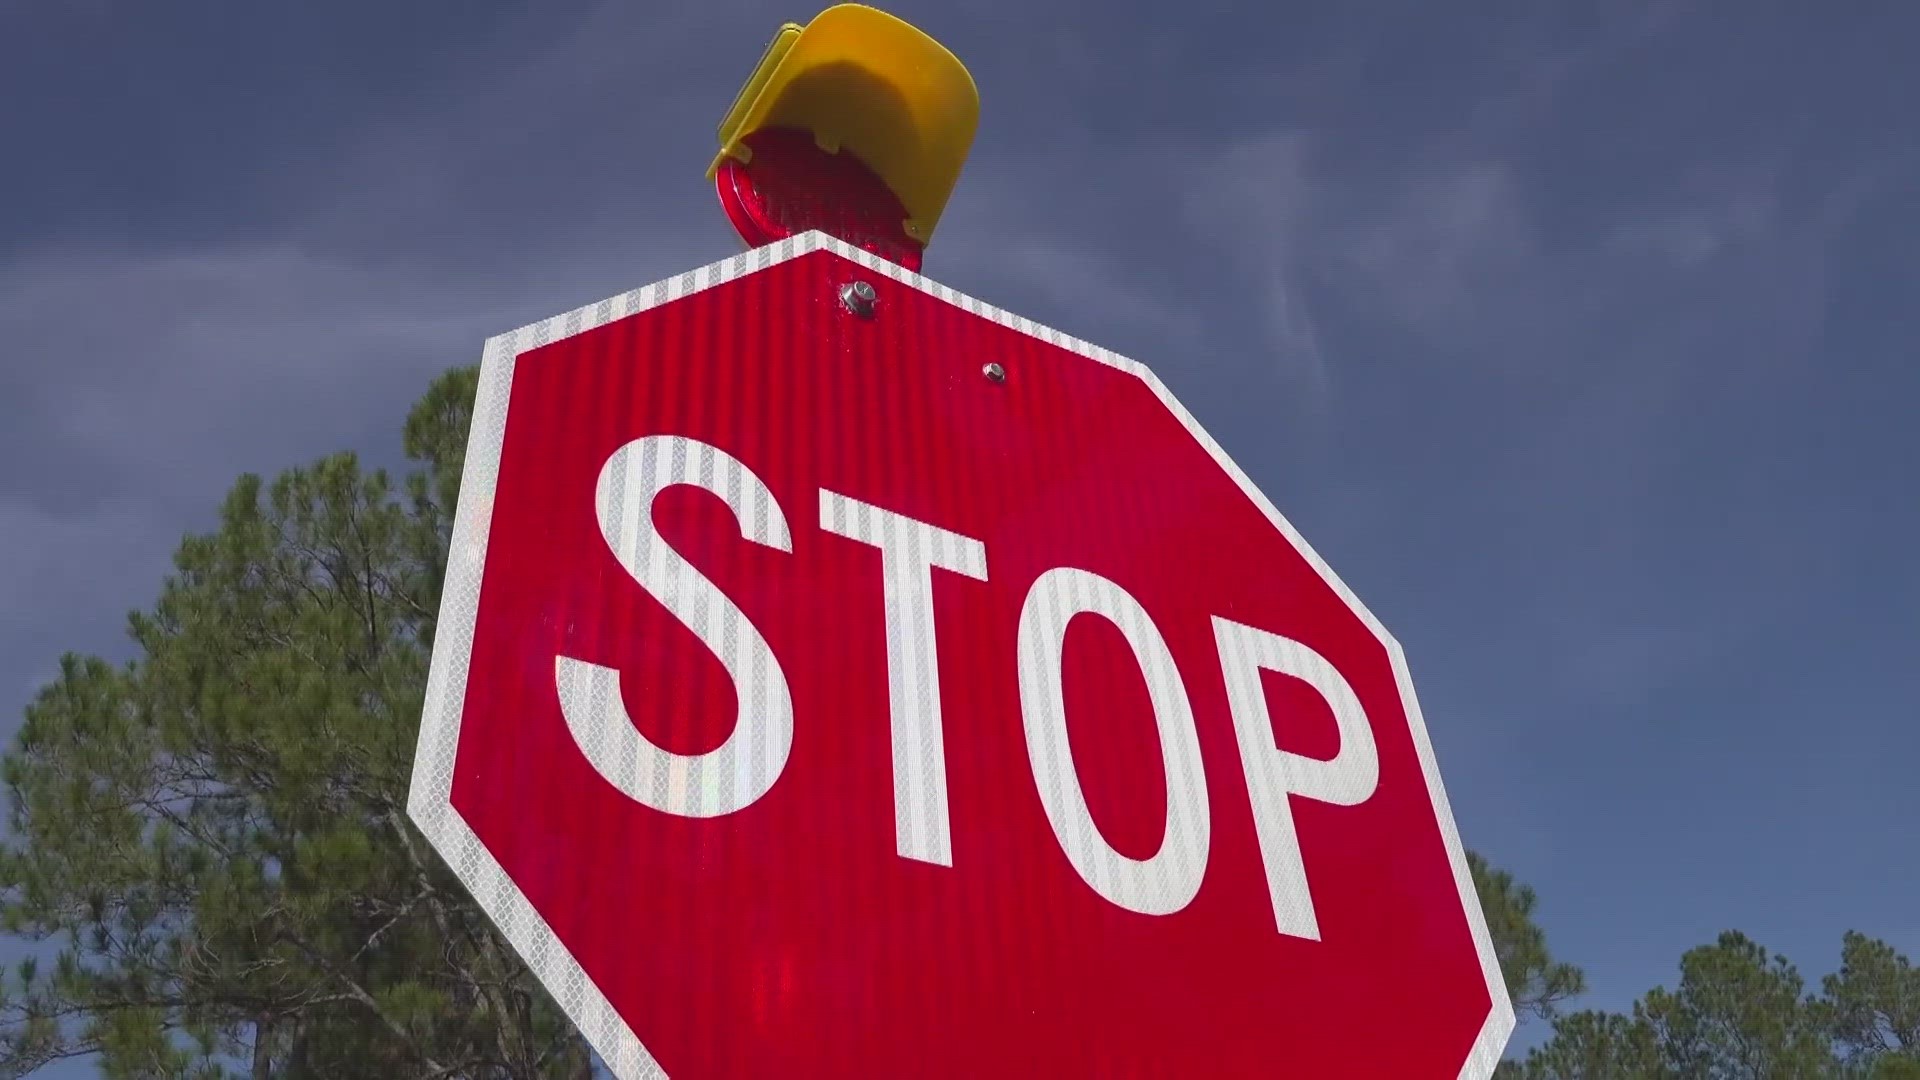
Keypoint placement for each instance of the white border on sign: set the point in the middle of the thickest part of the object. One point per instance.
(429, 801)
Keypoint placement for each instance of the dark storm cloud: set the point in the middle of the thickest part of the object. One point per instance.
(1580, 345)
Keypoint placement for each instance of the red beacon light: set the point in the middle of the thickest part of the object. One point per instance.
(791, 186)
(857, 125)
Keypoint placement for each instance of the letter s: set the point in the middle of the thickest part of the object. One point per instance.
(739, 771)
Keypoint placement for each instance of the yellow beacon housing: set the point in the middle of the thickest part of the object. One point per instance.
(865, 83)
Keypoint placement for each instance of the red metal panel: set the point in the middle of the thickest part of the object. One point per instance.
(790, 936)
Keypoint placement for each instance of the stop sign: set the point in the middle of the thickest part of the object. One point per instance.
(837, 676)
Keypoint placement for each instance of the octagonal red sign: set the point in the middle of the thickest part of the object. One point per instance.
(828, 685)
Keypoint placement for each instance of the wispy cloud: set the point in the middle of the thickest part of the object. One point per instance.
(1253, 202)
(66, 579)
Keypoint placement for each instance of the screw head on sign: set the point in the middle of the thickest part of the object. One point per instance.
(858, 297)
(994, 373)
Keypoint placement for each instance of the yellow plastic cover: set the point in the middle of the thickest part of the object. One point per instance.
(866, 83)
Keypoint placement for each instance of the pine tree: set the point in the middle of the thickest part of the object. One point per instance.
(1739, 1012)
(212, 839)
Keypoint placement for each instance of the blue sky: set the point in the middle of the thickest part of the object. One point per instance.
(1583, 347)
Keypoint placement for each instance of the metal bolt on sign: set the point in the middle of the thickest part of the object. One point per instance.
(858, 297)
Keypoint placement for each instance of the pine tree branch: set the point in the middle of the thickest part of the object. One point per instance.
(22, 1063)
(488, 949)
(453, 1070)
(381, 930)
(366, 578)
(184, 825)
(360, 994)
(262, 1049)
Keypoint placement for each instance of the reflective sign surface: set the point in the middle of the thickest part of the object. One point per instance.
(827, 688)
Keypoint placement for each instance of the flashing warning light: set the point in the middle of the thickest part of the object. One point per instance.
(856, 124)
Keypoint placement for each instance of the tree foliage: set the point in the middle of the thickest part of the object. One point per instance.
(1739, 1013)
(211, 841)
(1536, 982)
(1873, 1003)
